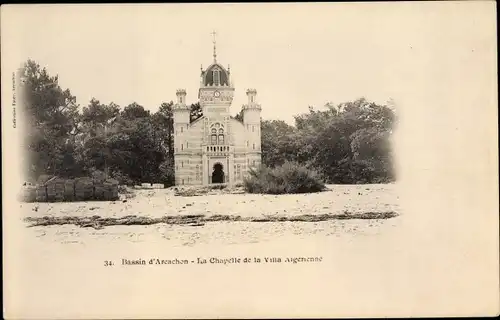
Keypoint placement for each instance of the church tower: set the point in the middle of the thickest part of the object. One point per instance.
(216, 91)
(251, 121)
(181, 113)
(215, 148)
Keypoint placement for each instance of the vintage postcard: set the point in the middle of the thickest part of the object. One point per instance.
(294, 160)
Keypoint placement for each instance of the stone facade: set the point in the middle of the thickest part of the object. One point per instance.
(216, 148)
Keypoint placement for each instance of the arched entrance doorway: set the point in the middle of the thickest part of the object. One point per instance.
(218, 173)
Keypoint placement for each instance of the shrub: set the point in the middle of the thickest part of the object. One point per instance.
(122, 189)
(217, 187)
(291, 177)
(122, 178)
(129, 193)
(98, 176)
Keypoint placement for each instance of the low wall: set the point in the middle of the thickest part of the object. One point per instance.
(79, 189)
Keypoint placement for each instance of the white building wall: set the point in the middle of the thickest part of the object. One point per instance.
(188, 157)
(193, 163)
(240, 139)
(194, 167)
(251, 119)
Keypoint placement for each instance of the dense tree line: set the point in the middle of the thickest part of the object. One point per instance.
(349, 143)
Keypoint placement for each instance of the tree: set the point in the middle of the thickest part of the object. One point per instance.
(346, 143)
(239, 116)
(53, 115)
(134, 111)
(279, 142)
(163, 122)
(196, 112)
(371, 149)
(98, 114)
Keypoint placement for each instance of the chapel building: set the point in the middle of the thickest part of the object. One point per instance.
(216, 148)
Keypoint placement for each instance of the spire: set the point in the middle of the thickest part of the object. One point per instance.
(215, 46)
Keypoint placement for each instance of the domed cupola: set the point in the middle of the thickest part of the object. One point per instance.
(216, 76)
(216, 88)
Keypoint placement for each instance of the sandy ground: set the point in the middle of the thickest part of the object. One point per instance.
(410, 265)
(157, 203)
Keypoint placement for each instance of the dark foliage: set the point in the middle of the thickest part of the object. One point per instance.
(348, 143)
(287, 178)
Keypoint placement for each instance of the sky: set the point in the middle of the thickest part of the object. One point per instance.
(294, 54)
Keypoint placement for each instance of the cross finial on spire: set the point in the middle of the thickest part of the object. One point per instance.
(215, 48)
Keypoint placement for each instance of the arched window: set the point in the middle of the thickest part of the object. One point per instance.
(221, 136)
(182, 129)
(182, 146)
(213, 136)
(187, 145)
(216, 75)
(253, 128)
(254, 146)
